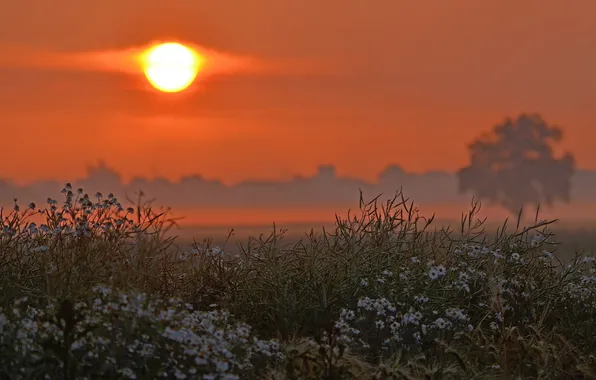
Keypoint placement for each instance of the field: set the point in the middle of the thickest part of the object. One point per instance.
(102, 290)
(570, 239)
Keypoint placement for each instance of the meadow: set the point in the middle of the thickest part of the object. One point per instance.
(97, 289)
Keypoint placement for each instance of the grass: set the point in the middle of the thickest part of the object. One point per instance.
(96, 290)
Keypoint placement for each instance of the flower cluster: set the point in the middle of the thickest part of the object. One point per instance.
(128, 334)
(78, 216)
(475, 287)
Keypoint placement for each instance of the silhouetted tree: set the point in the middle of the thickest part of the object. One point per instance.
(515, 165)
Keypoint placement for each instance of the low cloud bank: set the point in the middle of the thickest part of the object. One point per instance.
(323, 190)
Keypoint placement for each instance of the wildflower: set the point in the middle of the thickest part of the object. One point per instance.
(417, 337)
(537, 240)
(440, 323)
(433, 273)
(394, 326)
(216, 251)
(347, 315)
(128, 373)
(436, 272)
(222, 366)
(200, 359)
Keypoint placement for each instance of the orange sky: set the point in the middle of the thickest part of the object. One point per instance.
(357, 84)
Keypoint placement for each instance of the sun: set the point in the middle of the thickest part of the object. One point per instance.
(171, 67)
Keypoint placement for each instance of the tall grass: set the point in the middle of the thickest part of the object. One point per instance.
(98, 290)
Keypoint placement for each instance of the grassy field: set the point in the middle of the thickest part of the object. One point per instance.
(100, 290)
(570, 238)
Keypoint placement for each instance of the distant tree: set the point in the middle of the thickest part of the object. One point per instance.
(515, 165)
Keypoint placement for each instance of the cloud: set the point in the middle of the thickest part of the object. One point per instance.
(128, 60)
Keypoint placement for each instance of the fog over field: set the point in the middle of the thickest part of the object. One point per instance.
(323, 191)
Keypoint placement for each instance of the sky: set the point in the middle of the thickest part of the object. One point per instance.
(359, 85)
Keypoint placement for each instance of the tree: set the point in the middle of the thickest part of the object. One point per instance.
(515, 165)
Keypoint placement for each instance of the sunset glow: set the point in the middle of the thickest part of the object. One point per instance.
(171, 67)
